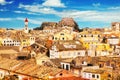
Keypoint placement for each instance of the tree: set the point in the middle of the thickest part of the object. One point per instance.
(49, 43)
(38, 28)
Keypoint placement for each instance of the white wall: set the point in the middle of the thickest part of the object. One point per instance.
(89, 76)
(10, 42)
(63, 63)
(66, 54)
(113, 41)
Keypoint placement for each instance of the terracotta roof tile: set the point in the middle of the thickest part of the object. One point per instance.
(98, 71)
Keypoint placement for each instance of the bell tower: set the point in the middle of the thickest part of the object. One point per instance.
(26, 26)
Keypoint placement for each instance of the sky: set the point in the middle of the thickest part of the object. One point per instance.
(87, 13)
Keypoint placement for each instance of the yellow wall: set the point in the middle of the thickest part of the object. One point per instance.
(61, 35)
(104, 76)
(25, 42)
(103, 47)
(0, 41)
(88, 41)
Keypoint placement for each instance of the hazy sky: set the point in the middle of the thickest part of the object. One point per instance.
(87, 13)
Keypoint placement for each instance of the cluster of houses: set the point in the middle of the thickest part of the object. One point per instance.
(61, 53)
(16, 37)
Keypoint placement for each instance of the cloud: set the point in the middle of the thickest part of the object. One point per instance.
(19, 12)
(2, 10)
(5, 19)
(88, 15)
(75, 13)
(114, 8)
(96, 4)
(53, 3)
(25, 12)
(37, 9)
(4, 2)
(91, 15)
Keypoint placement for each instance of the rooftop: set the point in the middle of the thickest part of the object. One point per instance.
(28, 68)
(97, 71)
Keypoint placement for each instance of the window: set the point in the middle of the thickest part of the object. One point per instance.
(108, 63)
(67, 67)
(78, 53)
(89, 64)
(100, 65)
(98, 35)
(61, 74)
(55, 38)
(112, 65)
(82, 62)
(62, 34)
(89, 75)
(91, 35)
(98, 76)
(84, 74)
(32, 55)
(24, 40)
(62, 38)
(43, 61)
(109, 75)
(16, 76)
(62, 66)
(1, 75)
(93, 76)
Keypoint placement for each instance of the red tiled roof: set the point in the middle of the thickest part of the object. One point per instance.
(69, 78)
